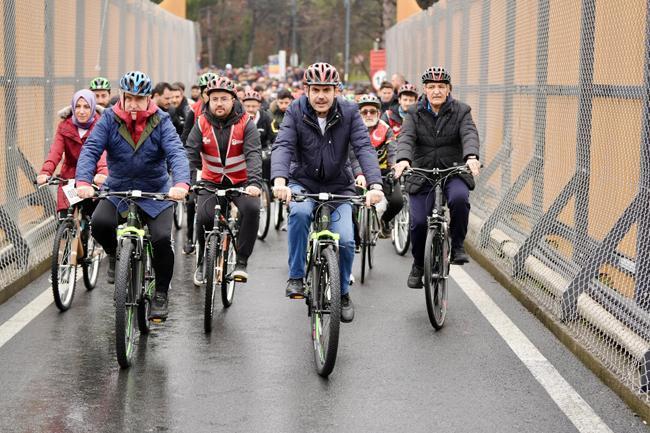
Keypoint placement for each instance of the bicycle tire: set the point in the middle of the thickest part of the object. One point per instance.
(144, 303)
(326, 294)
(179, 210)
(125, 309)
(64, 275)
(401, 230)
(435, 281)
(265, 212)
(373, 229)
(365, 241)
(90, 264)
(212, 275)
(229, 257)
(278, 214)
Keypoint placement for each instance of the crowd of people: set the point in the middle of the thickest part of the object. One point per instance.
(322, 136)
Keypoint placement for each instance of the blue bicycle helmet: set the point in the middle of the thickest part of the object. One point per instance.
(136, 83)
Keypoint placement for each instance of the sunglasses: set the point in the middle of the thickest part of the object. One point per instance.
(367, 112)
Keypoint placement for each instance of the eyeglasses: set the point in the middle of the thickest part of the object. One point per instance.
(369, 112)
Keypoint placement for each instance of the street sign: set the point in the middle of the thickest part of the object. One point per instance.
(377, 78)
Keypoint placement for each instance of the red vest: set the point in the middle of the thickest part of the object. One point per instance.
(235, 167)
(396, 127)
(197, 107)
(378, 140)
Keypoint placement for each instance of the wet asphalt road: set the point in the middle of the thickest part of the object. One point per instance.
(255, 373)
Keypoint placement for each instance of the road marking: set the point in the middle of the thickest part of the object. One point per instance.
(568, 400)
(28, 313)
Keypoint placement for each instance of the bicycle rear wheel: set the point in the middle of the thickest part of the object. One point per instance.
(364, 236)
(436, 255)
(90, 264)
(64, 272)
(125, 306)
(401, 229)
(326, 311)
(179, 210)
(213, 276)
(265, 212)
(229, 259)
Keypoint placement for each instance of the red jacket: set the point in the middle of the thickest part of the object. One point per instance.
(68, 143)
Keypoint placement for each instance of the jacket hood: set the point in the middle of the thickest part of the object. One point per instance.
(66, 111)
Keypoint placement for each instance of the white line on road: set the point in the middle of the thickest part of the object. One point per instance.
(568, 400)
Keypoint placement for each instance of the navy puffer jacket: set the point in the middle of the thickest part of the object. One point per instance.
(320, 162)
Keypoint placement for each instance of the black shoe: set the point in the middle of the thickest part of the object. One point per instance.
(198, 277)
(110, 275)
(188, 248)
(159, 306)
(295, 288)
(385, 230)
(415, 277)
(459, 256)
(347, 309)
(239, 274)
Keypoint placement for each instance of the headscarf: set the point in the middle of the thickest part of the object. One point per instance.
(89, 97)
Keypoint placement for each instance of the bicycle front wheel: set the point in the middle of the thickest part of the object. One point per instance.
(213, 276)
(144, 303)
(90, 264)
(364, 236)
(125, 306)
(265, 212)
(278, 214)
(179, 211)
(229, 260)
(436, 254)
(401, 229)
(326, 311)
(373, 234)
(64, 271)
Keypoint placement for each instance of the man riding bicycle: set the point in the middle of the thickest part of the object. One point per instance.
(225, 145)
(438, 133)
(141, 145)
(311, 154)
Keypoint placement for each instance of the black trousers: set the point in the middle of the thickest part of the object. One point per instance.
(249, 220)
(105, 221)
(393, 194)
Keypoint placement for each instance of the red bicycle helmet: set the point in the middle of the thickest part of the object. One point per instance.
(322, 74)
(408, 88)
(252, 95)
(223, 84)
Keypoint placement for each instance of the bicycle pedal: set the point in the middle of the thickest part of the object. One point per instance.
(297, 297)
(158, 320)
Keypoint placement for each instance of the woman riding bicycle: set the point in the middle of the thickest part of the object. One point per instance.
(71, 135)
(438, 133)
(141, 144)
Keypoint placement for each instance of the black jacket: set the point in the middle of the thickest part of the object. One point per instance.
(252, 149)
(442, 141)
(264, 128)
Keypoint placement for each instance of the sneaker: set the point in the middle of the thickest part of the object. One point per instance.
(385, 230)
(159, 306)
(459, 256)
(351, 279)
(415, 277)
(110, 275)
(295, 288)
(198, 275)
(239, 274)
(357, 248)
(188, 248)
(347, 309)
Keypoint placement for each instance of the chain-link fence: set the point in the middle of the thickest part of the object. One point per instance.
(559, 90)
(48, 50)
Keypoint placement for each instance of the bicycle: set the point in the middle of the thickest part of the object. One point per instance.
(368, 221)
(323, 281)
(401, 233)
(135, 280)
(220, 251)
(73, 245)
(266, 199)
(437, 251)
(179, 211)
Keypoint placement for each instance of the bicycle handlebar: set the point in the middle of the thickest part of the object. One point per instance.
(326, 196)
(135, 193)
(220, 192)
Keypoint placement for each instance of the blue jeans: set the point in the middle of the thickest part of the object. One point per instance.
(300, 217)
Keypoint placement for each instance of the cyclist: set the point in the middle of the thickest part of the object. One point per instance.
(383, 140)
(438, 133)
(101, 87)
(190, 120)
(181, 107)
(71, 135)
(162, 96)
(277, 109)
(195, 93)
(140, 143)
(406, 96)
(225, 145)
(252, 102)
(387, 96)
(311, 153)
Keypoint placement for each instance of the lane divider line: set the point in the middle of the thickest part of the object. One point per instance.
(563, 394)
